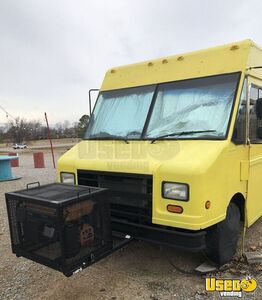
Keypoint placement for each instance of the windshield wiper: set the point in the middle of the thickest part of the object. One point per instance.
(108, 136)
(180, 133)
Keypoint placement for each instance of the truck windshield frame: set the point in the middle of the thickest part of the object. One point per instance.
(203, 106)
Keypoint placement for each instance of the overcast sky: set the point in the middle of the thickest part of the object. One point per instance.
(53, 51)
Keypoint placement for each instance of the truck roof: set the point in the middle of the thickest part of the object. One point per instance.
(234, 57)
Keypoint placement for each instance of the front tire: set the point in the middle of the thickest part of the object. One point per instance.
(222, 238)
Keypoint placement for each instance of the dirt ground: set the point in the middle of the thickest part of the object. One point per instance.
(138, 271)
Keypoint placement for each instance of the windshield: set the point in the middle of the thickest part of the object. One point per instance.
(194, 108)
(120, 113)
(194, 105)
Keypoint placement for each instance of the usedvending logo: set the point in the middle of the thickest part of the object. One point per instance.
(231, 287)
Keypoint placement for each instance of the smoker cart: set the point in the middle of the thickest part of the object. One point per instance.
(62, 226)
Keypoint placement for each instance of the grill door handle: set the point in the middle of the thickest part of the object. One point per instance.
(32, 183)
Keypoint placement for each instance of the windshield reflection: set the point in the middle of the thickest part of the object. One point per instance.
(191, 108)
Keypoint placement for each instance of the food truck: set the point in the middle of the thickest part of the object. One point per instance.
(177, 143)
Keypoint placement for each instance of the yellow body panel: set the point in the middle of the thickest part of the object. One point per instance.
(217, 60)
(254, 203)
(214, 170)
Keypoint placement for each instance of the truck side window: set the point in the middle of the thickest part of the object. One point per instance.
(239, 134)
(255, 123)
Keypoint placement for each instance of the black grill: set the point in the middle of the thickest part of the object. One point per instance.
(62, 226)
(130, 194)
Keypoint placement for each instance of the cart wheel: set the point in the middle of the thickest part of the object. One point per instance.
(222, 238)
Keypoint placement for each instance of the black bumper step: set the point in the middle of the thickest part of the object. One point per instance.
(182, 239)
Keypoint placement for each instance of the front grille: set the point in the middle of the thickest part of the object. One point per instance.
(130, 194)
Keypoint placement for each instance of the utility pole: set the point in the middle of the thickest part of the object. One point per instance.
(50, 140)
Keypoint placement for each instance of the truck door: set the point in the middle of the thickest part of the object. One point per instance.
(254, 199)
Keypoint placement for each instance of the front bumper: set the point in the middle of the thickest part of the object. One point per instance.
(193, 241)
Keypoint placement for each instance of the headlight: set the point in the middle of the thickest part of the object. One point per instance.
(176, 191)
(68, 178)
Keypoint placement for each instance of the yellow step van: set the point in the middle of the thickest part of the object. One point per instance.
(178, 142)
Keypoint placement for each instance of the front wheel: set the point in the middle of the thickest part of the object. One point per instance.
(222, 238)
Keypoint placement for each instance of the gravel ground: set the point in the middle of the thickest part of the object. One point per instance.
(139, 271)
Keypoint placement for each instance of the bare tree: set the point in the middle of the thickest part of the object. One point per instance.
(82, 125)
(21, 130)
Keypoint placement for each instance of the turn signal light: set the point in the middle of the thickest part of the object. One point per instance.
(234, 47)
(174, 209)
(207, 204)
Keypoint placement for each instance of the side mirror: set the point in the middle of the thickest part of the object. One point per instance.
(259, 108)
(90, 100)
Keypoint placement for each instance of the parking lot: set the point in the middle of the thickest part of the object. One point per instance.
(139, 271)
